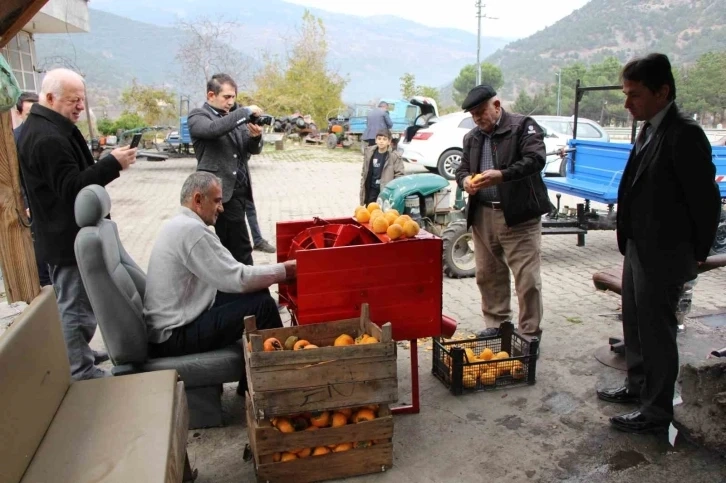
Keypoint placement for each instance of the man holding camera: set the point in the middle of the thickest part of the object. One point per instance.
(224, 136)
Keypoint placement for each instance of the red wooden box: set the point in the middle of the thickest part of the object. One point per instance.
(401, 280)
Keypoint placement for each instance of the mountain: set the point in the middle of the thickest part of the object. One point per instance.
(138, 38)
(683, 29)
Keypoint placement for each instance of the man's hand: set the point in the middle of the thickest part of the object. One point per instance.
(469, 186)
(126, 156)
(290, 270)
(254, 130)
(255, 110)
(490, 177)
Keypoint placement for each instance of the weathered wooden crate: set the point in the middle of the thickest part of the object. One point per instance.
(288, 382)
(265, 441)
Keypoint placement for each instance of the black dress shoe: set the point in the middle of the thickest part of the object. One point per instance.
(99, 357)
(637, 422)
(618, 395)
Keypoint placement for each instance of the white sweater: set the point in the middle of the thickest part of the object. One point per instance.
(188, 266)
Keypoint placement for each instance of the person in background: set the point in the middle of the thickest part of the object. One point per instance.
(377, 120)
(380, 166)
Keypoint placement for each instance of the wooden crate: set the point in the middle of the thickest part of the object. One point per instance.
(265, 440)
(290, 382)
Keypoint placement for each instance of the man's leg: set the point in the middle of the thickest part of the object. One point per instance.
(259, 243)
(43, 272)
(631, 334)
(222, 325)
(522, 249)
(232, 229)
(656, 303)
(492, 273)
(78, 321)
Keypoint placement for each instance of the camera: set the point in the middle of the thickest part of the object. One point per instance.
(263, 120)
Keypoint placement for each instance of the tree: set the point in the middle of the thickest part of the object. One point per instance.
(700, 88)
(206, 51)
(428, 91)
(300, 80)
(106, 126)
(128, 120)
(408, 86)
(466, 81)
(154, 104)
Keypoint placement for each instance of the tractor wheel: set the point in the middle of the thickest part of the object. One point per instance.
(331, 141)
(719, 244)
(458, 250)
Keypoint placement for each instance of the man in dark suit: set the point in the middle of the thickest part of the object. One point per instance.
(377, 120)
(668, 212)
(223, 140)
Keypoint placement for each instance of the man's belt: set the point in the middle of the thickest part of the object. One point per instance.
(494, 205)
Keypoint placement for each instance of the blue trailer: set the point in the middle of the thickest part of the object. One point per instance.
(403, 114)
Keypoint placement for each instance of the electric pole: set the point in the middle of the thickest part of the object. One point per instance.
(479, 16)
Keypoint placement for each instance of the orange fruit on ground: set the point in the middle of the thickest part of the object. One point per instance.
(310, 346)
(373, 206)
(364, 415)
(343, 447)
(272, 344)
(379, 225)
(390, 217)
(363, 216)
(410, 229)
(394, 232)
(343, 339)
(320, 450)
(320, 419)
(301, 344)
(486, 355)
(288, 456)
(339, 419)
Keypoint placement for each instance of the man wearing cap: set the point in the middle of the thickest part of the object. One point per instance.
(506, 201)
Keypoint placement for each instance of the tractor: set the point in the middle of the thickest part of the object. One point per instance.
(427, 199)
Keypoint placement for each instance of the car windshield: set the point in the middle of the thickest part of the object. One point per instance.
(562, 127)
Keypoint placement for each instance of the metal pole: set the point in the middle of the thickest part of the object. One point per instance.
(478, 42)
(559, 90)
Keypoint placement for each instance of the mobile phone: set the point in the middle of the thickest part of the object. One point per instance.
(135, 141)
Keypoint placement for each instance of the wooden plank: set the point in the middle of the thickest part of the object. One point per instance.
(321, 354)
(270, 440)
(331, 396)
(12, 21)
(178, 449)
(301, 377)
(355, 462)
(322, 334)
(17, 256)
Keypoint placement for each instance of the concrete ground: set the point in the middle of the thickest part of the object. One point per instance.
(555, 430)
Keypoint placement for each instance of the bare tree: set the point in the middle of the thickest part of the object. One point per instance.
(206, 50)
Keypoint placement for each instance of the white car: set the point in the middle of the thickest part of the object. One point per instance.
(439, 146)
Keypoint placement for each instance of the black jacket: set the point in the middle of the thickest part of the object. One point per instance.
(671, 205)
(222, 144)
(519, 153)
(56, 164)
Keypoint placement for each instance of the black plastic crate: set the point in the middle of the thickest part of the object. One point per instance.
(461, 374)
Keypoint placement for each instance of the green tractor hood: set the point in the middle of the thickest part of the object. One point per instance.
(395, 192)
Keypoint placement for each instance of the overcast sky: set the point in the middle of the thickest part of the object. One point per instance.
(516, 18)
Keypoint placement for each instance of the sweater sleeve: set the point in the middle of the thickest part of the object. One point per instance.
(209, 260)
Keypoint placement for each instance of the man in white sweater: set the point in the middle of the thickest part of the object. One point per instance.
(197, 294)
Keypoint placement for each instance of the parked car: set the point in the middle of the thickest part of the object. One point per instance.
(558, 130)
(439, 146)
(719, 142)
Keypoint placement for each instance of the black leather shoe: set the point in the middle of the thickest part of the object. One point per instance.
(637, 422)
(618, 395)
(99, 357)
